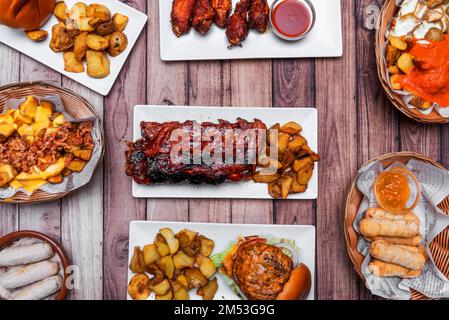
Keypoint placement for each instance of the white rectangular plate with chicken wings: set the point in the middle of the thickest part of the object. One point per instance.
(306, 117)
(41, 51)
(325, 40)
(144, 232)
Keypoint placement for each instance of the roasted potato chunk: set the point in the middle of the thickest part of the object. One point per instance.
(207, 246)
(96, 42)
(61, 39)
(56, 179)
(291, 128)
(283, 141)
(161, 245)
(172, 242)
(179, 291)
(167, 265)
(106, 28)
(420, 103)
(167, 296)
(118, 42)
(206, 266)
(85, 26)
(77, 165)
(37, 35)
(434, 34)
(71, 64)
(120, 21)
(83, 154)
(80, 47)
(98, 65)
(398, 43)
(150, 254)
(405, 63)
(209, 290)
(286, 184)
(60, 11)
(137, 264)
(139, 287)
(266, 176)
(189, 242)
(195, 278)
(98, 11)
(182, 261)
(392, 55)
(161, 288)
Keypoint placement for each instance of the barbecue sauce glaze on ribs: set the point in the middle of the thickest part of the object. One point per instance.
(148, 159)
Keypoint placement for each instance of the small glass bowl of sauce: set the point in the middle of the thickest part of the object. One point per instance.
(292, 19)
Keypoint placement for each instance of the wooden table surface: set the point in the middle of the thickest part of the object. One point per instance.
(356, 123)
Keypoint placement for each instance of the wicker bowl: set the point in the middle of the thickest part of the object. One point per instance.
(387, 14)
(74, 104)
(439, 246)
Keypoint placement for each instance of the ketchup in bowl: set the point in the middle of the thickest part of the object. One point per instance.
(292, 19)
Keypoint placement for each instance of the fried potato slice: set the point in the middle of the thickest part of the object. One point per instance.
(137, 264)
(195, 278)
(98, 64)
(80, 48)
(266, 176)
(161, 288)
(182, 261)
(96, 42)
(207, 245)
(291, 128)
(139, 287)
(37, 35)
(71, 64)
(120, 21)
(405, 63)
(206, 266)
(60, 11)
(172, 242)
(209, 290)
(167, 265)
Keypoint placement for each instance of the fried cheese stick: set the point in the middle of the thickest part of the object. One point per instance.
(391, 253)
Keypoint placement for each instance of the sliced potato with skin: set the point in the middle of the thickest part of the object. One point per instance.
(98, 64)
(266, 176)
(297, 143)
(181, 279)
(291, 128)
(167, 296)
(179, 291)
(305, 174)
(209, 290)
(392, 55)
(286, 184)
(300, 163)
(106, 28)
(80, 48)
(298, 188)
(274, 190)
(182, 261)
(60, 11)
(139, 287)
(161, 245)
(137, 264)
(71, 64)
(96, 42)
(161, 288)
(98, 11)
(172, 242)
(206, 266)
(120, 21)
(84, 25)
(283, 141)
(189, 242)
(150, 254)
(37, 35)
(195, 278)
(118, 42)
(207, 246)
(167, 265)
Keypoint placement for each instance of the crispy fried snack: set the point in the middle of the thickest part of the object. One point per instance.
(384, 269)
(237, 28)
(223, 10)
(181, 16)
(203, 16)
(258, 15)
(399, 255)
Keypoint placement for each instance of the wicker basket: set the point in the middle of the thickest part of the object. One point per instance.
(74, 104)
(387, 14)
(439, 246)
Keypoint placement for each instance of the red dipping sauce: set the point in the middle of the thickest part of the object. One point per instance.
(292, 18)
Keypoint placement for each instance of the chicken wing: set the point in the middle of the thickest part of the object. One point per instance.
(203, 16)
(222, 9)
(181, 16)
(258, 15)
(237, 28)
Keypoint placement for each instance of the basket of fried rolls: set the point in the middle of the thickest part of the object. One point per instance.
(400, 252)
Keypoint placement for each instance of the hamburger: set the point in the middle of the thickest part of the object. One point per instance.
(259, 268)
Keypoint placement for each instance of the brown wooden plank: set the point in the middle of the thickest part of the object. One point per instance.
(119, 205)
(9, 66)
(209, 85)
(251, 87)
(82, 220)
(425, 139)
(335, 98)
(46, 217)
(377, 131)
(167, 85)
(294, 84)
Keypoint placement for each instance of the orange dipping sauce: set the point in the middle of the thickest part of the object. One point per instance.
(291, 18)
(430, 78)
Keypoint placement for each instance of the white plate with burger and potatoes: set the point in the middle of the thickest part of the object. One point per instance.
(282, 255)
(111, 20)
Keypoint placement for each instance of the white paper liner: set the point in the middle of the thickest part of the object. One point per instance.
(435, 188)
(75, 180)
(406, 96)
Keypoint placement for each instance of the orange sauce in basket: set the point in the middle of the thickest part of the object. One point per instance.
(430, 77)
(392, 191)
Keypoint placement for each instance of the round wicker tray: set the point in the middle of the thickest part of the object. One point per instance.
(74, 104)
(387, 14)
(439, 246)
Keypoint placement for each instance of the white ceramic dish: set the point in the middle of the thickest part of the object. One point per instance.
(41, 51)
(325, 40)
(143, 232)
(307, 117)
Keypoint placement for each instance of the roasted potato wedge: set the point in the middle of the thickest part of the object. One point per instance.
(37, 35)
(298, 188)
(305, 174)
(283, 141)
(392, 55)
(118, 42)
(106, 28)
(167, 296)
(137, 264)
(60, 11)
(139, 287)
(206, 266)
(286, 184)
(405, 63)
(80, 48)
(61, 39)
(56, 179)
(189, 242)
(150, 254)
(291, 128)
(304, 162)
(181, 279)
(297, 143)
(98, 11)
(96, 42)
(71, 64)
(420, 103)
(77, 165)
(83, 154)
(84, 25)
(398, 43)
(98, 64)
(161, 245)
(266, 176)
(274, 190)
(167, 265)
(120, 21)
(179, 291)
(182, 260)
(172, 242)
(161, 288)
(195, 278)
(209, 290)
(207, 246)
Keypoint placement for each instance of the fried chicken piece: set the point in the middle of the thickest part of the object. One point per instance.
(222, 9)
(258, 15)
(203, 16)
(238, 28)
(181, 16)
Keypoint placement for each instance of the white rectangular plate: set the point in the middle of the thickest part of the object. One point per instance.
(41, 51)
(143, 232)
(325, 40)
(307, 117)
